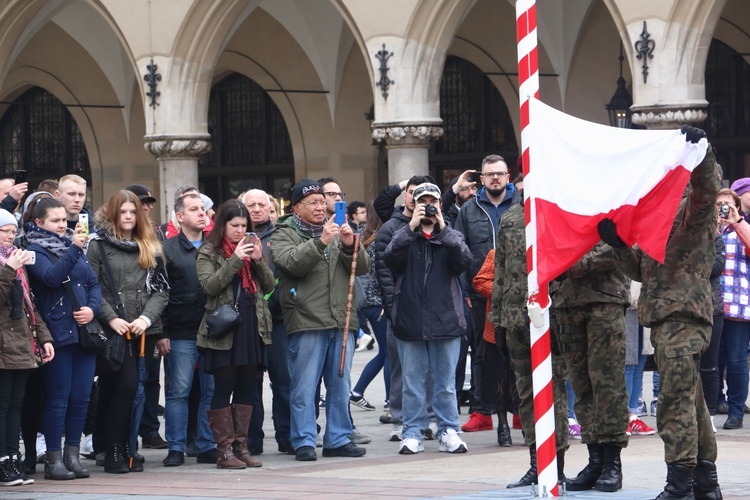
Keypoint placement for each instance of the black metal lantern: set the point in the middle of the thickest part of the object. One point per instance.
(619, 106)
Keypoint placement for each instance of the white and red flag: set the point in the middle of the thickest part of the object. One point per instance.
(585, 172)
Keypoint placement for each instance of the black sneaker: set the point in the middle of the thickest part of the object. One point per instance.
(174, 459)
(348, 450)
(208, 457)
(733, 423)
(361, 402)
(306, 454)
(15, 463)
(8, 476)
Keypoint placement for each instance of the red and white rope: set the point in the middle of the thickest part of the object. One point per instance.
(541, 356)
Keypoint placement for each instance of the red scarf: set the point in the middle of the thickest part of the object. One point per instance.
(246, 273)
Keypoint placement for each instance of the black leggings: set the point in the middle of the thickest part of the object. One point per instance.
(12, 388)
(114, 404)
(237, 380)
(31, 415)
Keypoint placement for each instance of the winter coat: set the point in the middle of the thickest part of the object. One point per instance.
(216, 273)
(313, 279)
(187, 299)
(478, 220)
(483, 283)
(428, 303)
(46, 279)
(384, 274)
(16, 341)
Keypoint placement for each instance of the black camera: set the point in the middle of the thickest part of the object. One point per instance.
(724, 210)
(430, 210)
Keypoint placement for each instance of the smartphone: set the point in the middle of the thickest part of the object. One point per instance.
(340, 213)
(476, 177)
(83, 221)
(20, 176)
(249, 237)
(31, 261)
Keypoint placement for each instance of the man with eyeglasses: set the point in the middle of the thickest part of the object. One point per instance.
(313, 257)
(332, 193)
(478, 221)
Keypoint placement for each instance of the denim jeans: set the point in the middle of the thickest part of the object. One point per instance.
(438, 358)
(634, 376)
(67, 385)
(315, 353)
(183, 356)
(377, 319)
(734, 338)
(571, 398)
(279, 373)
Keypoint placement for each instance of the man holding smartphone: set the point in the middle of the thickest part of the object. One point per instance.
(11, 193)
(72, 193)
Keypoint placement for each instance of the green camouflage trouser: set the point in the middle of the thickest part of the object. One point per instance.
(592, 341)
(682, 420)
(519, 350)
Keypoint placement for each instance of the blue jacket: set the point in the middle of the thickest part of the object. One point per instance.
(46, 281)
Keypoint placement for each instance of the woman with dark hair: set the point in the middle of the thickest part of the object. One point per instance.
(370, 308)
(67, 381)
(133, 298)
(232, 271)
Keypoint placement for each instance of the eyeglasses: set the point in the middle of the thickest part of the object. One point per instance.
(314, 203)
(334, 194)
(492, 175)
(9, 232)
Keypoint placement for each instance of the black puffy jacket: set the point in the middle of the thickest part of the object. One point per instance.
(428, 303)
(187, 300)
(383, 273)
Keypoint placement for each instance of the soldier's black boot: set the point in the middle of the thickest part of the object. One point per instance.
(561, 466)
(611, 478)
(586, 479)
(530, 477)
(679, 483)
(706, 481)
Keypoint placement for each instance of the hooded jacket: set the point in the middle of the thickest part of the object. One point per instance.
(384, 274)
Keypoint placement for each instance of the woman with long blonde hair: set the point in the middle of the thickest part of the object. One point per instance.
(134, 294)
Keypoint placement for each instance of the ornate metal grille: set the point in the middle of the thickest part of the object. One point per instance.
(39, 134)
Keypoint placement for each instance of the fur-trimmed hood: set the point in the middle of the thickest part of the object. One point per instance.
(102, 222)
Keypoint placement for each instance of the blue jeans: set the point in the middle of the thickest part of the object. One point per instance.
(634, 376)
(183, 355)
(734, 337)
(571, 398)
(67, 385)
(315, 353)
(377, 319)
(438, 358)
(279, 373)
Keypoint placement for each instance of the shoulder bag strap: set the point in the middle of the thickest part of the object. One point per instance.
(119, 306)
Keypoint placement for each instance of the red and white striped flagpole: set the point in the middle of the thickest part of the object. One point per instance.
(541, 356)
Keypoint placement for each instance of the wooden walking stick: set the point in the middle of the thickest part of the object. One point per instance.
(349, 300)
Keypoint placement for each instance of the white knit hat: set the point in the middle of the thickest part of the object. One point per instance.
(7, 218)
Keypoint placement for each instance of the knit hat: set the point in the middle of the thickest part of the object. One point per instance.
(7, 218)
(141, 192)
(208, 203)
(741, 186)
(303, 188)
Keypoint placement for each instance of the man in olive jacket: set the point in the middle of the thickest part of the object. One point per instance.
(313, 257)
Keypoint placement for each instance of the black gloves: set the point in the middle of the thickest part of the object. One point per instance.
(692, 134)
(608, 232)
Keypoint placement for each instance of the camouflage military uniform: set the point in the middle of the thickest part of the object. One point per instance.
(676, 302)
(590, 309)
(509, 297)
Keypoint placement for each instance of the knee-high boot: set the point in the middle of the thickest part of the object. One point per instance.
(241, 415)
(222, 426)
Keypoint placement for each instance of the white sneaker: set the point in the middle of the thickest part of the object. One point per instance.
(410, 446)
(431, 431)
(712, 424)
(87, 445)
(450, 442)
(41, 448)
(363, 341)
(395, 434)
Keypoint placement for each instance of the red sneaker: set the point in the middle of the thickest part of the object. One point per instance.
(638, 427)
(517, 422)
(478, 422)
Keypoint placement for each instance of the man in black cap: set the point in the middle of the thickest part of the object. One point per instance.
(313, 257)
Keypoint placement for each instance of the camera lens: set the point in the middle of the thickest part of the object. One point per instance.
(430, 210)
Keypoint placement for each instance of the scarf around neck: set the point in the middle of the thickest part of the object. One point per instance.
(246, 273)
(312, 230)
(51, 242)
(156, 277)
(21, 276)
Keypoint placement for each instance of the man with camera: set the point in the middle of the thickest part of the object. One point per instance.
(426, 258)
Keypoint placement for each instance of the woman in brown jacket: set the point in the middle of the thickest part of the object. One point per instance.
(20, 334)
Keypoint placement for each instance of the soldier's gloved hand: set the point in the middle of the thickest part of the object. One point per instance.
(608, 233)
(692, 134)
(562, 277)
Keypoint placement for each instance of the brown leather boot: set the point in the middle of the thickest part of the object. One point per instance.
(222, 426)
(242, 415)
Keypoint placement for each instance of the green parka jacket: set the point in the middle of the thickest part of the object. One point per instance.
(216, 272)
(313, 279)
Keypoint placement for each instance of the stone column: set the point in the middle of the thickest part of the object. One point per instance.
(408, 148)
(178, 163)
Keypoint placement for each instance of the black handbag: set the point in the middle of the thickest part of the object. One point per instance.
(223, 320)
(114, 353)
(91, 336)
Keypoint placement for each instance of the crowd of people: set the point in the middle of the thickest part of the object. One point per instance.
(225, 296)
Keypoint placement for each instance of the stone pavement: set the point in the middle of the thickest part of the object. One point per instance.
(481, 473)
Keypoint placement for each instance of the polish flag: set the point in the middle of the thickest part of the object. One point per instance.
(584, 172)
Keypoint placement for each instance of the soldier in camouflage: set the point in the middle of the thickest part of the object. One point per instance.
(590, 310)
(676, 303)
(509, 314)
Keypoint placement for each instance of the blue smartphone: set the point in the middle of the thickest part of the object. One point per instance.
(340, 213)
